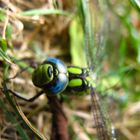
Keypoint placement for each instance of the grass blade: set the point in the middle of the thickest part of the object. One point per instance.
(43, 12)
(19, 112)
(3, 48)
(136, 4)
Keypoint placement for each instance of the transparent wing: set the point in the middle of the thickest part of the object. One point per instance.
(95, 16)
(94, 42)
(99, 120)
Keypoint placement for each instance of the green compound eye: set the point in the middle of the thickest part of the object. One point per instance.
(43, 75)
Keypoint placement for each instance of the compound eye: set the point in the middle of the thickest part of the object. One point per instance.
(50, 71)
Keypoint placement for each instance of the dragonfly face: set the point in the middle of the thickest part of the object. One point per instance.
(54, 77)
(51, 76)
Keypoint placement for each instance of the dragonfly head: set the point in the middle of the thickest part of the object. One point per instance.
(51, 76)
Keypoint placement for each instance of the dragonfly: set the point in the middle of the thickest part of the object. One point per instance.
(54, 77)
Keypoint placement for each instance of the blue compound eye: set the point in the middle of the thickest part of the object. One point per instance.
(57, 63)
(59, 84)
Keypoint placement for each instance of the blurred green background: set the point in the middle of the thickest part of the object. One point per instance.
(29, 35)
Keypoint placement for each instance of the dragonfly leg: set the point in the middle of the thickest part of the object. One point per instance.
(18, 73)
(23, 98)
